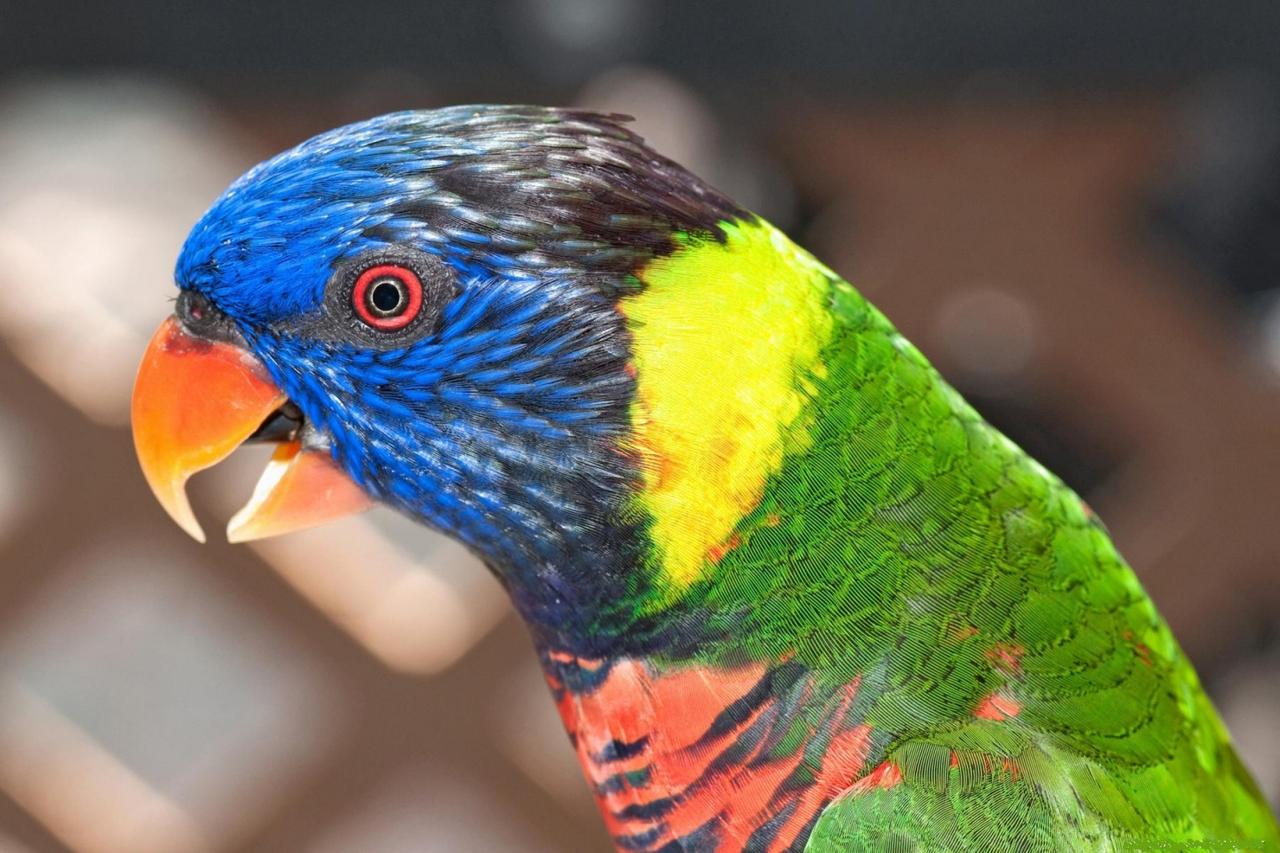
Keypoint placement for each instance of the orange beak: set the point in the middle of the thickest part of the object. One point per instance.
(194, 402)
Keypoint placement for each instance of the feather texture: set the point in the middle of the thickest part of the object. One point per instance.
(787, 586)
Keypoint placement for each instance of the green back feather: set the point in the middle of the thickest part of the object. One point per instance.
(901, 540)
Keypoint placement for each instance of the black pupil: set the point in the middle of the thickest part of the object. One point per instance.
(386, 296)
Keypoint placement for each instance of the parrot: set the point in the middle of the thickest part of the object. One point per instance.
(788, 589)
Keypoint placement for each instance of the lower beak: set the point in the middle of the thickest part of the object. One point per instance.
(194, 402)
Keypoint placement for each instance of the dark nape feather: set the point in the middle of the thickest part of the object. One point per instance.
(548, 187)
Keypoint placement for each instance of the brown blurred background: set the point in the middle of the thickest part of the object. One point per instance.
(1074, 209)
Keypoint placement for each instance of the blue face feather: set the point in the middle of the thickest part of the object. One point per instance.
(497, 417)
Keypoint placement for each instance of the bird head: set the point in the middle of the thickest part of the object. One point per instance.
(426, 310)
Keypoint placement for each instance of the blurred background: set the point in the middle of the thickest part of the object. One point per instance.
(1073, 208)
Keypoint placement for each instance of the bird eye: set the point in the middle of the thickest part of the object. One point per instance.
(387, 297)
(383, 299)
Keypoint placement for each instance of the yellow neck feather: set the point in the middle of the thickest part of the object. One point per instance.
(726, 339)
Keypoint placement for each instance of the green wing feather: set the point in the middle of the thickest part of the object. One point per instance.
(1043, 798)
(1114, 744)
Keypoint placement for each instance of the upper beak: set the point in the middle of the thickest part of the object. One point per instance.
(194, 402)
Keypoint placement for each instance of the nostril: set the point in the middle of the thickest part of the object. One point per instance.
(202, 319)
(196, 311)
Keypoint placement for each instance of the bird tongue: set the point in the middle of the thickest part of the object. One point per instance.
(194, 402)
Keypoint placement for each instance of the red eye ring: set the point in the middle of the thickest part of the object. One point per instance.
(370, 297)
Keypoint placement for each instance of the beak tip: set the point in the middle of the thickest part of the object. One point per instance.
(238, 532)
(179, 509)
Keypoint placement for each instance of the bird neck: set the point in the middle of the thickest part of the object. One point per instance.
(729, 341)
(806, 540)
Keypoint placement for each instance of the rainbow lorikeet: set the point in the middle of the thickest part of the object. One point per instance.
(789, 590)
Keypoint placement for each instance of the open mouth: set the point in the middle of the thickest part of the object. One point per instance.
(195, 401)
(284, 424)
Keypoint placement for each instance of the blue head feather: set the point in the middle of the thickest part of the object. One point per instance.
(500, 422)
